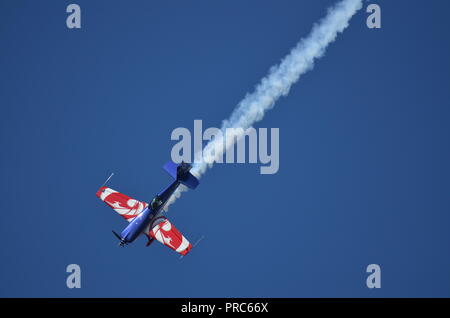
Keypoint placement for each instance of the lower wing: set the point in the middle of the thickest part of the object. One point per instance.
(167, 234)
(126, 206)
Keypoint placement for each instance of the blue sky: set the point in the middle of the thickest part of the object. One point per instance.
(364, 149)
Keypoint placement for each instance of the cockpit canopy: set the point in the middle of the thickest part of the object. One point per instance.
(156, 203)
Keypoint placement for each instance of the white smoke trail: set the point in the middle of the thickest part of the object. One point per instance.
(277, 83)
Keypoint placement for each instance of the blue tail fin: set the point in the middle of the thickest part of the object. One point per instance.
(181, 173)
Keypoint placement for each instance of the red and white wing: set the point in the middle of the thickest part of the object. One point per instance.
(168, 235)
(127, 207)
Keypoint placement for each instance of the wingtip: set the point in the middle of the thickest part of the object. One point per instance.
(184, 253)
(100, 191)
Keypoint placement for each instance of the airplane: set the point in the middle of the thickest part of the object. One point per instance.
(147, 218)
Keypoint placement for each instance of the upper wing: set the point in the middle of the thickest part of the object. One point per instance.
(168, 235)
(127, 207)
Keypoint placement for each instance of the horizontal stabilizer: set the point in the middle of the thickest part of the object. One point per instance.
(181, 173)
(167, 234)
(189, 181)
(171, 168)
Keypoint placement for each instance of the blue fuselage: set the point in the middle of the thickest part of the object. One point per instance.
(139, 223)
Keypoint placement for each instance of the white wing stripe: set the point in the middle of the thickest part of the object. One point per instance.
(184, 244)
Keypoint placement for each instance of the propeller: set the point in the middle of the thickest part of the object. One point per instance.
(122, 242)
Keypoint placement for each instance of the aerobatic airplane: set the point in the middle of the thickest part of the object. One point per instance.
(147, 218)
